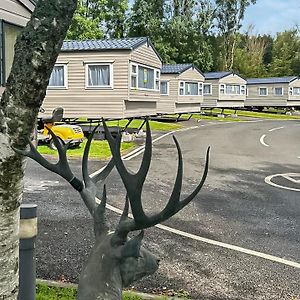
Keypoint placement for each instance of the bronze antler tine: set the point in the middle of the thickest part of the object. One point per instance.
(115, 150)
(145, 165)
(99, 215)
(85, 174)
(172, 206)
(188, 199)
(60, 145)
(36, 156)
(61, 168)
(124, 215)
(101, 176)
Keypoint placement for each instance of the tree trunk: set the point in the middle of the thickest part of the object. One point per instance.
(36, 51)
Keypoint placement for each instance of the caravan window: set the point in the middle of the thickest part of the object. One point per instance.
(7, 43)
(58, 78)
(99, 76)
(164, 88)
(262, 91)
(278, 91)
(144, 78)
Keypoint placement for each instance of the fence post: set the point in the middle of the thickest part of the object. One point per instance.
(27, 270)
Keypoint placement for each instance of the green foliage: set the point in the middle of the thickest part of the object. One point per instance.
(44, 292)
(286, 54)
(204, 32)
(229, 15)
(99, 149)
(249, 56)
(95, 19)
(84, 27)
(178, 29)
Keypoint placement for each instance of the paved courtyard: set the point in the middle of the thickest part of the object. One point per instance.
(239, 238)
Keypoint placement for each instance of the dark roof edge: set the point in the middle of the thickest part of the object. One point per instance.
(26, 6)
(189, 65)
(156, 52)
(195, 67)
(95, 50)
(292, 79)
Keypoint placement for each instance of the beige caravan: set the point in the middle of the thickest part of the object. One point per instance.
(224, 89)
(14, 14)
(112, 78)
(274, 91)
(181, 89)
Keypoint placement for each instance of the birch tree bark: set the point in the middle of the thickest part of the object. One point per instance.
(36, 51)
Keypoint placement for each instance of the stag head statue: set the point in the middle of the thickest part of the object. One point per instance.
(116, 260)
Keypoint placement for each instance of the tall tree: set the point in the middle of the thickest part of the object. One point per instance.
(96, 19)
(84, 26)
(249, 56)
(286, 54)
(229, 15)
(36, 51)
(146, 18)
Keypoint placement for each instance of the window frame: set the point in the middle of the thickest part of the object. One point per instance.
(292, 89)
(60, 87)
(233, 85)
(210, 89)
(168, 87)
(267, 91)
(156, 77)
(3, 74)
(243, 90)
(222, 88)
(182, 87)
(278, 95)
(111, 78)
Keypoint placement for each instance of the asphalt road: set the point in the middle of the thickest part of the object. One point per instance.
(236, 207)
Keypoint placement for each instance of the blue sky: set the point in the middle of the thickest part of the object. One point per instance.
(271, 16)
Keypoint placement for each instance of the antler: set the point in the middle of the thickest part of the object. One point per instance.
(87, 188)
(134, 185)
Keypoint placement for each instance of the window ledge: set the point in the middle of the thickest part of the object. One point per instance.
(99, 88)
(57, 88)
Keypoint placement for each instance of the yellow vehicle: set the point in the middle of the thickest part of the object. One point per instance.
(72, 134)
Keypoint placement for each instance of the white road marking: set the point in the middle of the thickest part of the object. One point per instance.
(262, 141)
(277, 128)
(205, 240)
(216, 243)
(268, 180)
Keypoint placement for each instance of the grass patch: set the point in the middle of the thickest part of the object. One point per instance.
(266, 114)
(99, 149)
(44, 292)
(154, 125)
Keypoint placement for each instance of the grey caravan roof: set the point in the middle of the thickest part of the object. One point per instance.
(271, 80)
(178, 68)
(107, 45)
(217, 75)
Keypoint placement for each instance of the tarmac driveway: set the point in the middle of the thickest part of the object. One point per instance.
(239, 238)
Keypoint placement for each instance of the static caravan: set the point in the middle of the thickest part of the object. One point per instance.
(14, 14)
(294, 93)
(274, 91)
(181, 89)
(224, 89)
(112, 78)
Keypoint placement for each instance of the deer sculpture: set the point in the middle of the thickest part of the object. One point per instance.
(116, 260)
